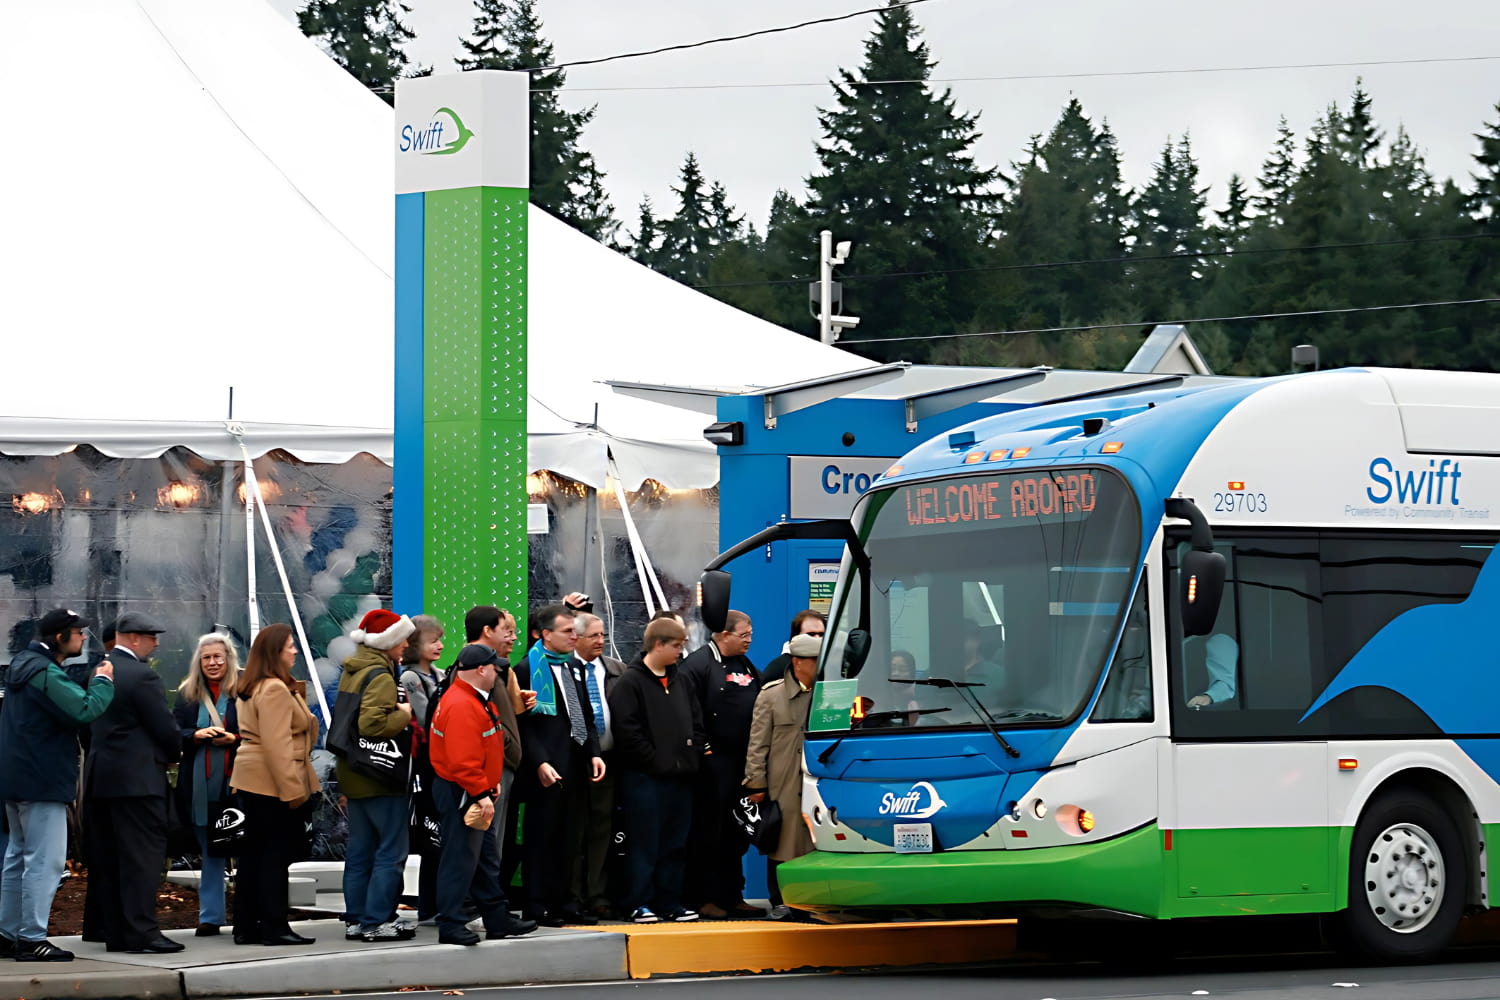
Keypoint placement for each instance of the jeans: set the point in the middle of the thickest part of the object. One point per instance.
(211, 909)
(657, 813)
(375, 859)
(34, 862)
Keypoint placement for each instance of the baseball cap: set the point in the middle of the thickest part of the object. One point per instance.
(475, 655)
(60, 620)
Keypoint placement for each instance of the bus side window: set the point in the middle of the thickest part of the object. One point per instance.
(1127, 693)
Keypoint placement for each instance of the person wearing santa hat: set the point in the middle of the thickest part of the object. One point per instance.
(375, 858)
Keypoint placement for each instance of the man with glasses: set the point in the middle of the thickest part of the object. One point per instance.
(562, 759)
(495, 629)
(807, 622)
(44, 711)
(600, 674)
(725, 684)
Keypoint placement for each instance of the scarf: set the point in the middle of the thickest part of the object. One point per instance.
(541, 661)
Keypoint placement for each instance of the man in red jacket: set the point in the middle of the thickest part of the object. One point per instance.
(467, 750)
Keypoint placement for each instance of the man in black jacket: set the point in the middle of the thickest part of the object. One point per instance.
(600, 675)
(726, 684)
(125, 796)
(658, 742)
(561, 750)
(44, 712)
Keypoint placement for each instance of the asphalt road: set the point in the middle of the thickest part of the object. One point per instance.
(1467, 975)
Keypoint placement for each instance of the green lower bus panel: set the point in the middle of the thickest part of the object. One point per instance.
(1206, 873)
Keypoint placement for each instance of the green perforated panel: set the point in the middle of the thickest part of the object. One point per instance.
(474, 420)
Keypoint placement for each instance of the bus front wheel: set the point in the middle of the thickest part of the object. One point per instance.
(1407, 879)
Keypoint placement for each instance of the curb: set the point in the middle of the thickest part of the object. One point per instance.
(88, 979)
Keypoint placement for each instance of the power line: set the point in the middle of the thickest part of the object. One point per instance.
(1194, 255)
(1019, 77)
(726, 38)
(854, 342)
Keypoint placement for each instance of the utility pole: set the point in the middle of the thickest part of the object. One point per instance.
(829, 294)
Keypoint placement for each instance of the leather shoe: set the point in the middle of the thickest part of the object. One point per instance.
(510, 927)
(207, 930)
(287, 938)
(713, 911)
(552, 918)
(247, 939)
(744, 909)
(462, 936)
(161, 946)
(577, 917)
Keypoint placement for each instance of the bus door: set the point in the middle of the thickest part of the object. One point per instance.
(1248, 806)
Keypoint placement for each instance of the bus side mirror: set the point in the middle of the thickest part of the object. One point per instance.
(713, 600)
(1202, 589)
(856, 651)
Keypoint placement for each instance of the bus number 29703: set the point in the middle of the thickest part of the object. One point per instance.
(1243, 503)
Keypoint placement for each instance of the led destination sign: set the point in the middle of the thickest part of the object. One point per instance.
(1000, 499)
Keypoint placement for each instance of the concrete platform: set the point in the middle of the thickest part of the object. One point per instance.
(216, 966)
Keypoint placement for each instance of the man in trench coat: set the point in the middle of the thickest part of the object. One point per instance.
(773, 765)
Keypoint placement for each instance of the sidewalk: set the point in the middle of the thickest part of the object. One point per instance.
(216, 966)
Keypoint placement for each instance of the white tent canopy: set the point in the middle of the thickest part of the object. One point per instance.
(207, 201)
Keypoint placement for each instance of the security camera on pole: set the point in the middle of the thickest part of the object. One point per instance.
(825, 294)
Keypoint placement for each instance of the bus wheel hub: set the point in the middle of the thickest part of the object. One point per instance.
(1404, 877)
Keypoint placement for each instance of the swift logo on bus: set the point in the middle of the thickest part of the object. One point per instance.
(911, 805)
(1424, 486)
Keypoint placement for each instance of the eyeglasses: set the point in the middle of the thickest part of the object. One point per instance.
(816, 634)
(594, 635)
(742, 635)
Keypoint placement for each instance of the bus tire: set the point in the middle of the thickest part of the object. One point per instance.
(1407, 880)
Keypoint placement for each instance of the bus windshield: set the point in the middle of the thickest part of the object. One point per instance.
(1004, 590)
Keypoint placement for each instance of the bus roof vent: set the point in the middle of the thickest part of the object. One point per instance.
(1449, 413)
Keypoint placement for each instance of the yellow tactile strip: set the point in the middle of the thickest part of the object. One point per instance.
(766, 946)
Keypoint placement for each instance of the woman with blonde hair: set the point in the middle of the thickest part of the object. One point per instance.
(273, 774)
(209, 722)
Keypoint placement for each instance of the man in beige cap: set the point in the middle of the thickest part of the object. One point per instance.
(773, 763)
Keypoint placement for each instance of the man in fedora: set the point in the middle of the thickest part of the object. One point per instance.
(125, 796)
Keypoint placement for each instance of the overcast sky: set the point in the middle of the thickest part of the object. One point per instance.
(758, 139)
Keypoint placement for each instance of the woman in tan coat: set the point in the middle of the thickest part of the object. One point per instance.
(774, 763)
(274, 776)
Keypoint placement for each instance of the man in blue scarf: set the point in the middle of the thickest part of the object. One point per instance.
(561, 751)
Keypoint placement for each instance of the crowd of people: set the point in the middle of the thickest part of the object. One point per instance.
(636, 777)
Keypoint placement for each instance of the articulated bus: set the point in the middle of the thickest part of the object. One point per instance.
(1178, 653)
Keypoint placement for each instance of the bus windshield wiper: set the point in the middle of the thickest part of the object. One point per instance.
(963, 688)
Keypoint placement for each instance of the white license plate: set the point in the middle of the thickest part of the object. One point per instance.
(913, 838)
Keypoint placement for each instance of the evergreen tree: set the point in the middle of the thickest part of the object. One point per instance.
(1483, 203)
(565, 179)
(1234, 218)
(363, 36)
(645, 242)
(1169, 221)
(897, 176)
(1068, 203)
(1277, 174)
(687, 237)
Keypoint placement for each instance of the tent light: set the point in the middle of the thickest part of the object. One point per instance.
(178, 494)
(34, 503)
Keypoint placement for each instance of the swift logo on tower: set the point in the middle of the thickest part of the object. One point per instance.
(427, 140)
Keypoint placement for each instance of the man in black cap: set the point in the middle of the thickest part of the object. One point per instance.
(467, 749)
(125, 796)
(44, 711)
